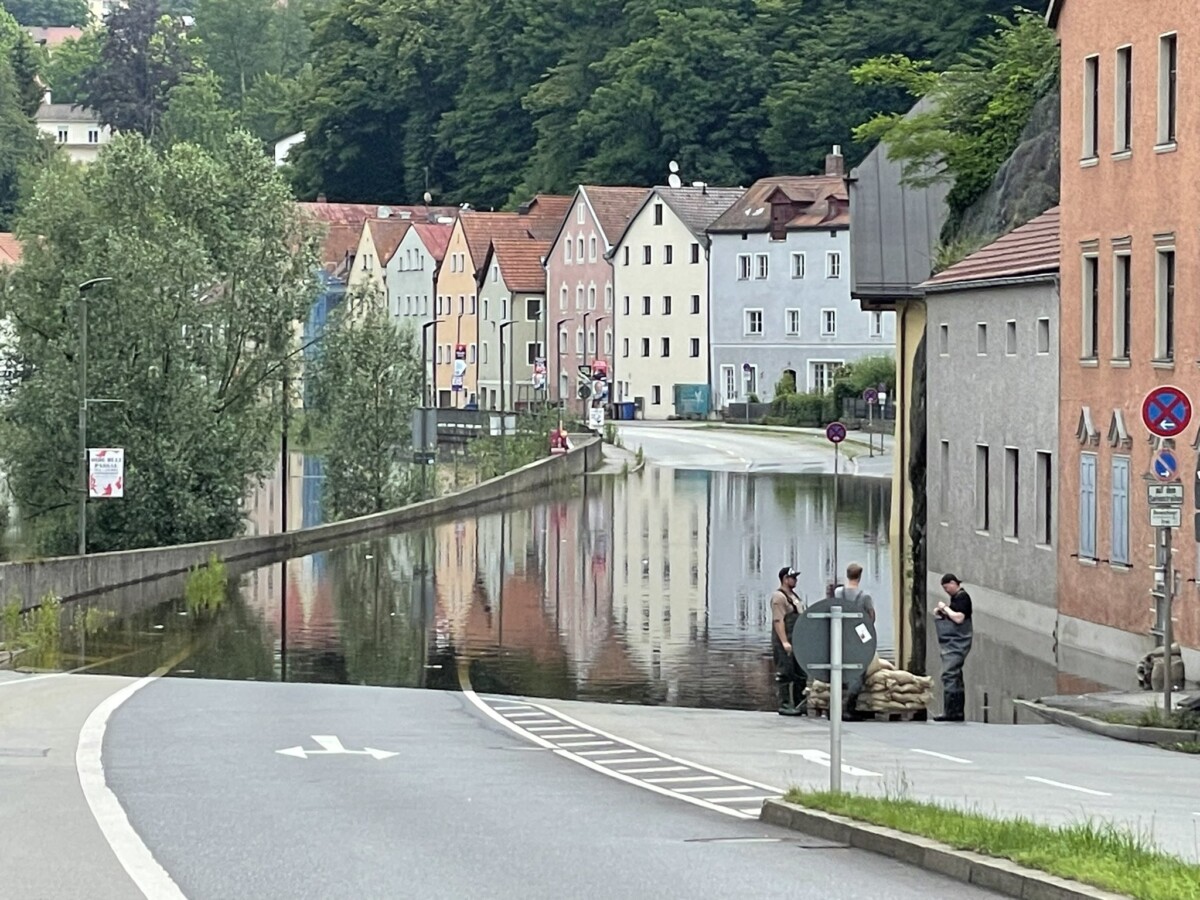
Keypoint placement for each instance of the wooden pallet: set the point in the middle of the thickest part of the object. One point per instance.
(906, 715)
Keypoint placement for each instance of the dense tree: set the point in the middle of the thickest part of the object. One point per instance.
(196, 113)
(211, 267)
(145, 53)
(21, 145)
(365, 384)
(234, 35)
(70, 66)
(48, 12)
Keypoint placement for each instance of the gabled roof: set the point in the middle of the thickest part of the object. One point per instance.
(613, 208)
(340, 242)
(521, 264)
(66, 112)
(10, 249)
(1032, 249)
(435, 237)
(481, 228)
(1054, 12)
(819, 201)
(387, 235)
(696, 207)
(548, 210)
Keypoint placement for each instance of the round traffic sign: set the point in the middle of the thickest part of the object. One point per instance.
(811, 640)
(1166, 411)
(870, 395)
(836, 432)
(1164, 465)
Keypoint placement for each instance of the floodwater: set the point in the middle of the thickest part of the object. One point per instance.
(651, 588)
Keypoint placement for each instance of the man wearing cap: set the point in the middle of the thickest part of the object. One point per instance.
(954, 633)
(786, 609)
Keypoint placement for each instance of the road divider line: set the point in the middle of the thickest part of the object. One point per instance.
(725, 787)
(543, 729)
(1069, 787)
(621, 762)
(605, 752)
(682, 778)
(584, 743)
(945, 756)
(648, 770)
(739, 799)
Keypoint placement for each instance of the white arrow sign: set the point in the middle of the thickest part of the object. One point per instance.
(330, 745)
(822, 758)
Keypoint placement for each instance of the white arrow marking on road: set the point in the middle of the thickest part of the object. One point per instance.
(822, 758)
(330, 746)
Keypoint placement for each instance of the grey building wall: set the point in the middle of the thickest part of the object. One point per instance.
(775, 350)
(998, 391)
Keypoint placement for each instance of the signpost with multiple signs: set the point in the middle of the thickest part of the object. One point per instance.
(835, 432)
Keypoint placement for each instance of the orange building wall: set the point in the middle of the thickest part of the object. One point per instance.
(460, 320)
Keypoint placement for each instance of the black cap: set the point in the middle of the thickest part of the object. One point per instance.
(788, 572)
(947, 578)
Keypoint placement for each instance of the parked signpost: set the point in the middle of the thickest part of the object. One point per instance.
(1166, 413)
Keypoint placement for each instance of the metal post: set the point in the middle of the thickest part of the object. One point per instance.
(285, 463)
(837, 455)
(870, 428)
(83, 454)
(1168, 630)
(835, 699)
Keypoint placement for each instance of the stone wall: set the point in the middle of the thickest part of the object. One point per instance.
(74, 577)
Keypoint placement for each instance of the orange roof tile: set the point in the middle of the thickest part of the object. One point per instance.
(1032, 249)
(521, 264)
(614, 207)
(10, 249)
(817, 201)
(340, 242)
(546, 211)
(357, 213)
(387, 235)
(481, 228)
(435, 237)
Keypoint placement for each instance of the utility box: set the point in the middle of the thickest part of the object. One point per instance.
(693, 401)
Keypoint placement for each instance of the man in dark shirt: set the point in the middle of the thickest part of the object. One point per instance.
(786, 609)
(954, 633)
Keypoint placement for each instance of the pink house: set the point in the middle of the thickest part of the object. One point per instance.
(579, 283)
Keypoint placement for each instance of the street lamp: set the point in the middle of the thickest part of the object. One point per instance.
(503, 325)
(558, 351)
(425, 361)
(84, 288)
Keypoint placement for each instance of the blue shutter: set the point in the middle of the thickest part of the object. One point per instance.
(1120, 510)
(1087, 506)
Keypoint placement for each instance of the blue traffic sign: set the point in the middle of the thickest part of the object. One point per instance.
(836, 432)
(1166, 411)
(1164, 465)
(870, 395)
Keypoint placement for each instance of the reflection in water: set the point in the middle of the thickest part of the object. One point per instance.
(649, 589)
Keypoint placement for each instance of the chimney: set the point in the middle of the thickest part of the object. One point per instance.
(835, 164)
(321, 198)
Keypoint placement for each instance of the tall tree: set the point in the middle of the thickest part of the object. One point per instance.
(235, 37)
(21, 145)
(211, 267)
(145, 54)
(48, 12)
(196, 113)
(71, 65)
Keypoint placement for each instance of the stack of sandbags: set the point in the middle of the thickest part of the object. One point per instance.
(885, 689)
(1151, 670)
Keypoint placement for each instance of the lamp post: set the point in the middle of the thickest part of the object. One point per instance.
(583, 403)
(83, 289)
(503, 406)
(425, 398)
(558, 351)
(596, 333)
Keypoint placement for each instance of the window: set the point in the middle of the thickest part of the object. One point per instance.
(1043, 335)
(1045, 497)
(658, 213)
(1010, 337)
(823, 375)
(562, 298)
(579, 341)
(743, 264)
(695, 254)
(608, 297)
(1012, 492)
(645, 306)
(592, 248)
(485, 310)
(591, 341)
(645, 346)
(666, 346)
(495, 273)
(754, 321)
(592, 297)
(1091, 307)
(93, 136)
(668, 255)
(760, 265)
(483, 350)
(655, 395)
(666, 306)
(533, 309)
(625, 347)
(1164, 344)
(944, 340)
(579, 296)
(62, 135)
(981, 338)
(828, 323)
(833, 264)
(982, 510)
(1123, 107)
(647, 254)
(1087, 506)
(1120, 510)
(471, 357)
(695, 304)
(579, 213)
(562, 340)
(533, 352)
(1091, 107)
(608, 342)
(876, 325)
(798, 264)
(729, 383)
(751, 379)
(694, 348)
(579, 248)
(474, 307)
(438, 355)
(944, 481)
(1168, 59)
(625, 260)
(1122, 287)
(626, 305)
(791, 321)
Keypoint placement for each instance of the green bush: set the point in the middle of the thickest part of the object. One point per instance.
(870, 371)
(805, 410)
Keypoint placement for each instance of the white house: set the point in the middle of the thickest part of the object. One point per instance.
(512, 289)
(660, 278)
(74, 128)
(780, 284)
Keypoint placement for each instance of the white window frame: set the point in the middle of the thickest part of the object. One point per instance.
(1090, 283)
(728, 383)
(1012, 493)
(1168, 98)
(791, 322)
(762, 266)
(1122, 114)
(799, 264)
(1164, 349)
(746, 316)
(833, 263)
(564, 299)
(1087, 508)
(833, 366)
(825, 330)
(1044, 506)
(1120, 484)
(744, 267)
(1091, 111)
(875, 325)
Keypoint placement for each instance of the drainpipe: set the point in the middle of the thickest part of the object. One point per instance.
(903, 633)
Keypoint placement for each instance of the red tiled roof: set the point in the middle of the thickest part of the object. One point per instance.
(481, 228)
(387, 235)
(10, 249)
(435, 237)
(817, 201)
(340, 242)
(357, 213)
(521, 264)
(549, 210)
(53, 35)
(614, 207)
(1032, 249)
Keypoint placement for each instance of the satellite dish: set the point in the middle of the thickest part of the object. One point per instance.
(674, 181)
(428, 198)
(673, 166)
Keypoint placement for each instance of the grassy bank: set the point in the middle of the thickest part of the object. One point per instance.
(1099, 855)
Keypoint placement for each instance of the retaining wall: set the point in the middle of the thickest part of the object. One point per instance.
(75, 577)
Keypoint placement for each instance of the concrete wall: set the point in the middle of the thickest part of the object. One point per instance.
(1002, 401)
(73, 577)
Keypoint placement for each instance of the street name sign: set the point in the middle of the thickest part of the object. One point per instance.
(1166, 411)
(1169, 495)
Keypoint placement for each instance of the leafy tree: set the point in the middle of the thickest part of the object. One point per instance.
(195, 113)
(980, 106)
(211, 267)
(20, 142)
(71, 64)
(235, 36)
(365, 384)
(48, 12)
(143, 56)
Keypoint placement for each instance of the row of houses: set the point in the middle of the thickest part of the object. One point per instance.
(1022, 462)
(709, 293)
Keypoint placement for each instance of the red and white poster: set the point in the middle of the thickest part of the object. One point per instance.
(106, 472)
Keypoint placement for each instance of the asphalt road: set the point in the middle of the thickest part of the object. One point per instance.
(465, 808)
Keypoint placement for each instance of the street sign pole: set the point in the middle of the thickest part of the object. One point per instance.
(835, 697)
(1168, 631)
(837, 455)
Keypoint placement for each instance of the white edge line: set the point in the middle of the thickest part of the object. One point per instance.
(945, 756)
(7, 682)
(1069, 787)
(611, 773)
(134, 856)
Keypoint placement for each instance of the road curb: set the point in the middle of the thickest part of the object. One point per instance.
(1000, 875)
(1138, 734)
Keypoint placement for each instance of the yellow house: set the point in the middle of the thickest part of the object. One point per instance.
(377, 242)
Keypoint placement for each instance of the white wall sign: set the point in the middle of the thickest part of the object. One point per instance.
(106, 472)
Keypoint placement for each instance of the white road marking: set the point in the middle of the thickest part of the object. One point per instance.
(605, 752)
(544, 720)
(505, 709)
(543, 729)
(740, 799)
(821, 758)
(8, 682)
(945, 756)
(135, 857)
(727, 787)
(331, 745)
(650, 769)
(584, 743)
(1069, 787)
(682, 778)
(614, 762)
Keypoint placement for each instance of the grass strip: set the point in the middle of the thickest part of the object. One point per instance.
(1097, 854)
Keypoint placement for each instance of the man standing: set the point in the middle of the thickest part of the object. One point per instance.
(854, 599)
(954, 633)
(786, 609)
